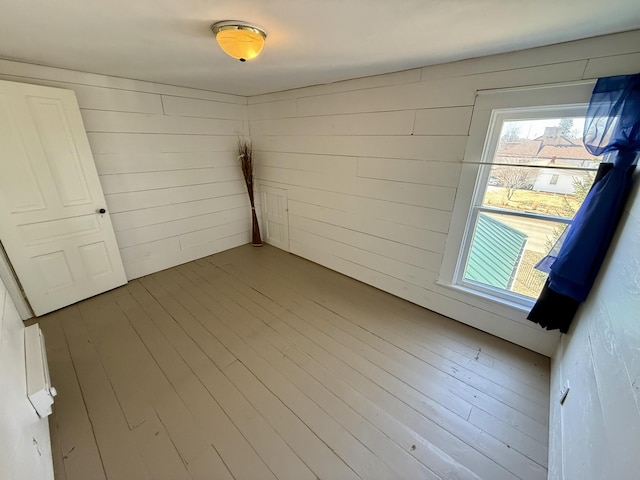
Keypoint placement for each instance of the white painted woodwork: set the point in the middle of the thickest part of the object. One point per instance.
(596, 432)
(25, 448)
(374, 200)
(39, 389)
(60, 247)
(275, 216)
(253, 363)
(166, 161)
(12, 285)
(574, 94)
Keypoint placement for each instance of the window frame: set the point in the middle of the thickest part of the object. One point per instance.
(566, 100)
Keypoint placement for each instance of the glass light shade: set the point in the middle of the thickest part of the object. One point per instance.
(239, 41)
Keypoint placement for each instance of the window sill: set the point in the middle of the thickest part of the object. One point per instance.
(486, 296)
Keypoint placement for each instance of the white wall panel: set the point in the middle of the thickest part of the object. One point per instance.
(443, 121)
(132, 182)
(432, 196)
(166, 160)
(391, 212)
(596, 432)
(115, 163)
(25, 448)
(386, 123)
(441, 148)
(192, 107)
(395, 78)
(404, 180)
(270, 110)
(616, 65)
(34, 73)
(371, 224)
(606, 46)
(410, 171)
(126, 122)
(135, 143)
(167, 213)
(100, 98)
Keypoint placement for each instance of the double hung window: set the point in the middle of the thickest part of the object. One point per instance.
(533, 175)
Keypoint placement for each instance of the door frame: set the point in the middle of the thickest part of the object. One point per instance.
(12, 284)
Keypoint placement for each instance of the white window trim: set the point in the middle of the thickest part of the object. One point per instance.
(566, 96)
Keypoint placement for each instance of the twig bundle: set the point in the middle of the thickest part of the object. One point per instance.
(245, 157)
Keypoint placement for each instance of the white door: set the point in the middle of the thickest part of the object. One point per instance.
(61, 247)
(275, 217)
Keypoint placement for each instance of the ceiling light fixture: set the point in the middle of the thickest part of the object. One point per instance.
(238, 39)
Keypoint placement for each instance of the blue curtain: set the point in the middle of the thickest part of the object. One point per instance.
(612, 126)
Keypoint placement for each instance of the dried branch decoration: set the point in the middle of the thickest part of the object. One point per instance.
(245, 157)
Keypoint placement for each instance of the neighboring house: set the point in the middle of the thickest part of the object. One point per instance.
(551, 149)
(556, 181)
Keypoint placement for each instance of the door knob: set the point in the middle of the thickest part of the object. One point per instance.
(102, 211)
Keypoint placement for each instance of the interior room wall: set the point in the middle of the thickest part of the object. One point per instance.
(371, 167)
(25, 449)
(595, 434)
(166, 160)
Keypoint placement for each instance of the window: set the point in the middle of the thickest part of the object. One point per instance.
(532, 176)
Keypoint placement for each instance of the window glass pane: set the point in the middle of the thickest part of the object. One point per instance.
(505, 248)
(544, 142)
(526, 176)
(533, 189)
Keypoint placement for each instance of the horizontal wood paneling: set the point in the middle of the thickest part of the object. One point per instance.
(443, 121)
(591, 48)
(166, 160)
(115, 163)
(596, 432)
(395, 78)
(616, 65)
(449, 92)
(370, 208)
(124, 122)
(371, 225)
(101, 98)
(445, 174)
(360, 221)
(441, 148)
(136, 143)
(273, 109)
(191, 107)
(387, 123)
(437, 197)
(132, 182)
(151, 216)
(33, 73)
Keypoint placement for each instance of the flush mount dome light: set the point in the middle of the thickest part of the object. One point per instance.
(238, 39)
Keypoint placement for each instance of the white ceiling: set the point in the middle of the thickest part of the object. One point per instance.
(309, 41)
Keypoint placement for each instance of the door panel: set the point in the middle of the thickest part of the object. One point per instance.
(95, 259)
(61, 248)
(59, 150)
(18, 182)
(275, 217)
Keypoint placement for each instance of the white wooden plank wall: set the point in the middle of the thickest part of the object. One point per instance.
(372, 165)
(166, 160)
(596, 432)
(25, 450)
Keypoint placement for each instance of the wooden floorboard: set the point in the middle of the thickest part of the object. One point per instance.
(257, 364)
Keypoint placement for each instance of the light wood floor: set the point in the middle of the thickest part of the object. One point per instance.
(256, 364)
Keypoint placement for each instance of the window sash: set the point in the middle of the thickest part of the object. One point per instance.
(498, 117)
